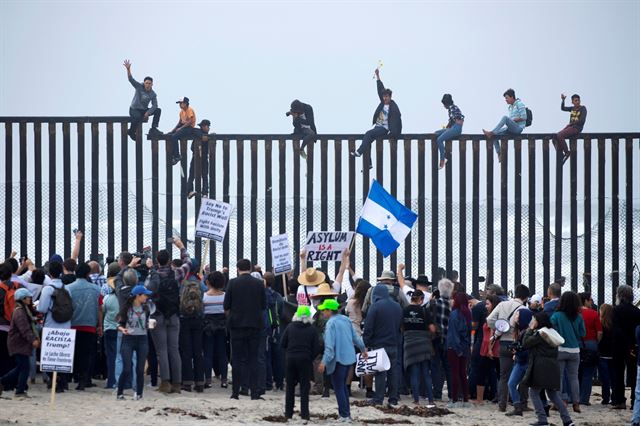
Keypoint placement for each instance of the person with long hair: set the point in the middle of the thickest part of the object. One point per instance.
(354, 311)
(215, 330)
(605, 349)
(543, 370)
(568, 322)
(489, 354)
(458, 349)
(133, 322)
(593, 327)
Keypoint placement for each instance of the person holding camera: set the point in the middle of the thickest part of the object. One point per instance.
(303, 123)
(164, 281)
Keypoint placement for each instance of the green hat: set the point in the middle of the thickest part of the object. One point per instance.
(303, 311)
(329, 304)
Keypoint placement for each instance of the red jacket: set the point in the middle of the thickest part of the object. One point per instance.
(21, 335)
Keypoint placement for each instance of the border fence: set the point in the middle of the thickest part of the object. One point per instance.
(499, 220)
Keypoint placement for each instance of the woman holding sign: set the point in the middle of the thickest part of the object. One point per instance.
(339, 353)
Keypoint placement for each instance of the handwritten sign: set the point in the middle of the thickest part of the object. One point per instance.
(327, 245)
(213, 219)
(377, 360)
(57, 349)
(281, 254)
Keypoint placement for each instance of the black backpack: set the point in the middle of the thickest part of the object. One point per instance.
(529, 118)
(168, 296)
(62, 307)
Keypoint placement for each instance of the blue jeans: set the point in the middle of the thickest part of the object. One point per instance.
(569, 363)
(445, 135)
(417, 372)
(636, 405)
(139, 345)
(514, 379)
(131, 381)
(389, 377)
(18, 376)
(586, 374)
(186, 133)
(110, 349)
(369, 137)
(215, 354)
(505, 126)
(554, 396)
(339, 381)
(605, 372)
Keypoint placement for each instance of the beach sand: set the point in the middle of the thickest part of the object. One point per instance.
(97, 406)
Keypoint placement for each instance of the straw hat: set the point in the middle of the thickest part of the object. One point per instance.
(324, 291)
(311, 277)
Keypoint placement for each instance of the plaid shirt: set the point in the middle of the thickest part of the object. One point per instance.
(442, 310)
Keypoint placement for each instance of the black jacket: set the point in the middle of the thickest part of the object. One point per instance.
(308, 120)
(543, 370)
(301, 340)
(384, 318)
(246, 301)
(395, 118)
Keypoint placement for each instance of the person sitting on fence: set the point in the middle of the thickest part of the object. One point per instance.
(201, 134)
(303, 123)
(514, 124)
(386, 120)
(182, 130)
(576, 123)
(453, 129)
(139, 110)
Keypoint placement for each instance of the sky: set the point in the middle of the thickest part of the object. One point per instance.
(242, 62)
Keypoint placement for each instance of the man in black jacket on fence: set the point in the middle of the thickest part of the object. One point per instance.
(201, 134)
(386, 120)
(303, 123)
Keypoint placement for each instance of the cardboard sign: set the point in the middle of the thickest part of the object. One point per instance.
(376, 361)
(281, 254)
(213, 219)
(56, 353)
(327, 245)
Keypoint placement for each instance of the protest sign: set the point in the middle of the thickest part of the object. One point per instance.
(281, 254)
(56, 353)
(213, 219)
(376, 361)
(327, 245)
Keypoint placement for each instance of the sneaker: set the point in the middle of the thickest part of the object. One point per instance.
(21, 396)
(443, 163)
(175, 160)
(569, 423)
(154, 132)
(373, 402)
(132, 134)
(393, 403)
(120, 398)
(566, 157)
(137, 397)
(191, 194)
(303, 154)
(345, 420)
(467, 404)
(355, 154)
(454, 405)
(207, 385)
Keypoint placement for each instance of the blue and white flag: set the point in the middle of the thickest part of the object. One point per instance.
(385, 220)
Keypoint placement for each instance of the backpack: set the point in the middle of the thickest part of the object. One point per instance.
(273, 316)
(191, 304)
(529, 118)
(8, 299)
(62, 307)
(167, 299)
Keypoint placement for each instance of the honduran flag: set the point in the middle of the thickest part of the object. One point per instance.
(385, 220)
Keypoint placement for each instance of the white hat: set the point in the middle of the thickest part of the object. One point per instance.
(536, 298)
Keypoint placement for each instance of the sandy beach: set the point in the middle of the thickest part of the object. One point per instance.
(97, 406)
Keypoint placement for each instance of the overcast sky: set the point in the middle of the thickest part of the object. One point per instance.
(242, 62)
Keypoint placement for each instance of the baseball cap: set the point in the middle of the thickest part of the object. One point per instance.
(303, 311)
(329, 305)
(140, 289)
(204, 123)
(184, 99)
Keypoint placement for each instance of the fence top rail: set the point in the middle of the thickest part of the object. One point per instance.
(328, 136)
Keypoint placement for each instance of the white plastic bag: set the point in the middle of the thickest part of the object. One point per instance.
(551, 336)
(377, 361)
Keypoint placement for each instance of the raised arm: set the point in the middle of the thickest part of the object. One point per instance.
(134, 83)
(76, 246)
(185, 268)
(562, 107)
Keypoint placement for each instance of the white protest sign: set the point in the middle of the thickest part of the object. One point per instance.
(281, 254)
(327, 245)
(213, 219)
(376, 361)
(56, 353)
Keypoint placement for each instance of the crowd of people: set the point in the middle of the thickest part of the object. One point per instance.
(387, 122)
(177, 326)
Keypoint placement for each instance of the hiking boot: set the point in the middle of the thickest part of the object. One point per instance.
(175, 388)
(517, 410)
(165, 387)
